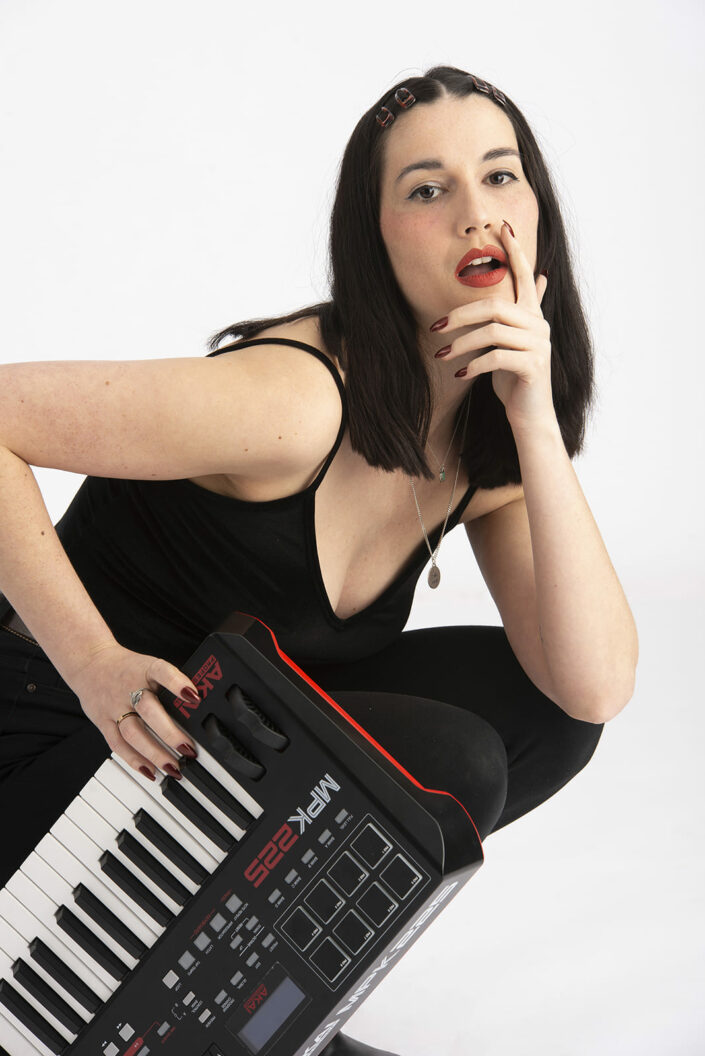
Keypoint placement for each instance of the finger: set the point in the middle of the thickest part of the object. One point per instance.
(496, 359)
(164, 727)
(489, 309)
(161, 673)
(121, 747)
(492, 334)
(522, 275)
(139, 738)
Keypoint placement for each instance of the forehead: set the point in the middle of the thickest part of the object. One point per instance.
(472, 124)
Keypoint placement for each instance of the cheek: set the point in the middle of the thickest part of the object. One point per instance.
(408, 239)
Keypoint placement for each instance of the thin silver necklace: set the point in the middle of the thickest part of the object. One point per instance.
(434, 574)
(442, 474)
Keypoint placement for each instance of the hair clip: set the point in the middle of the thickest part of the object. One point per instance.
(405, 100)
(488, 89)
(384, 117)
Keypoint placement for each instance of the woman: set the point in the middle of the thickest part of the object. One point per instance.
(305, 474)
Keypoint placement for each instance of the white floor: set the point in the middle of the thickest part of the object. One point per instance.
(583, 932)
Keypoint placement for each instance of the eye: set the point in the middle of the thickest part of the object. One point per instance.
(432, 187)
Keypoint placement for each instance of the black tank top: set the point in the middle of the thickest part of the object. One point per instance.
(166, 561)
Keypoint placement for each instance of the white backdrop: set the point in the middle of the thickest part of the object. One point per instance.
(167, 168)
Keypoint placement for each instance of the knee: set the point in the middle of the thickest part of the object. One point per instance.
(481, 777)
(566, 745)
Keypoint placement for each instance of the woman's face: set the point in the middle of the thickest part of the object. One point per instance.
(427, 233)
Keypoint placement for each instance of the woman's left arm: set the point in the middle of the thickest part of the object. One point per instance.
(586, 628)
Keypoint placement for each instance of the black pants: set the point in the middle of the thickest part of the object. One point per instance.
(451, 704)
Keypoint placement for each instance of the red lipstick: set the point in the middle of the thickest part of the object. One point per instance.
(484, 278)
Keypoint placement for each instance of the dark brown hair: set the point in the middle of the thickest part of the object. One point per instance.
(368, 324)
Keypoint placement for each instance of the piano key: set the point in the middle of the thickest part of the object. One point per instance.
(152, 867)
(121, 819)
(27, 1016)
(135, 889)
(13, 1043)
(98, 912)
(199, 815)
(83, 847)
(105, 836)
(31, 928)
(15, 946)
(8, 975)
(60, 892)
(116, 814)
(64, 977)
(36, 902)
(76, 873)
(154, 794)
(30, 980)
(86, 938)
(159, 837)
(136, 796)
(197, 775)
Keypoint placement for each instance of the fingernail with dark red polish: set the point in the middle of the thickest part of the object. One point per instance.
(172, 771)
(186, 749)
(188, 694)
(509, 226)
(443, 351)
(147, 773)
(440, 323)
(461, 373)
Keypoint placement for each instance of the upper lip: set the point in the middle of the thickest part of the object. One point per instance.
(486, 251)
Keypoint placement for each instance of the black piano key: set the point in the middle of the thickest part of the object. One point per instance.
(135, 889)
(192, 809)
(47, 997)
(89, 942)
(219, 796)
(32, 1019)
(152, 868)
(72, 984)
(95, 909)
(170, 847)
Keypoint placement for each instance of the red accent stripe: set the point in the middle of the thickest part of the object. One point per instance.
(360, 729)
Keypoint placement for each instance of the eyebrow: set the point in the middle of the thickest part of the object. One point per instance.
(434, 163)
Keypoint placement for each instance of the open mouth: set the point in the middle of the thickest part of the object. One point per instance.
(480, 269)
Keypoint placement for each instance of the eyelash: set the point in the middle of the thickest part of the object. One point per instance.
(434, 188)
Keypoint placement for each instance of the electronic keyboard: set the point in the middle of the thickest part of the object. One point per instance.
(245, 910)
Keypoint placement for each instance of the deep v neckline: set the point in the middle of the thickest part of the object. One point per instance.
(413, 562)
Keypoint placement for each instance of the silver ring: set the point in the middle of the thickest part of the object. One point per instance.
(135, 698)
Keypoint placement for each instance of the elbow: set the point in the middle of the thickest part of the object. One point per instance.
(609, 704)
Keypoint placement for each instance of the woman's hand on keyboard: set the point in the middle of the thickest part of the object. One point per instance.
(103, 686)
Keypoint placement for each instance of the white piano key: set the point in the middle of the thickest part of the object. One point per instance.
(116, 814)
(209, 763)
(105, 836)
(17, 1039)
(14, 945)
(6, 973)
(33, 899)
(83, 847)
(55, 888)
(75, 872)
(153, 790)
(31, 927)
(135, 796)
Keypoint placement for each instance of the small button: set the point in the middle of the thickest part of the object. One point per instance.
(220, 997)
(268, 940)
(186, 960)
(31, 687)
(325, 836)
(218, 922)
(233, 903)
(252, 959)
(275, 895)
(202, 940)
(236, 942)
(169, 979)
(204, 1016)
(161, 1031)
(236, 978)
(126, 1032)
(110, 1049)
(189, 997)
(252, 923)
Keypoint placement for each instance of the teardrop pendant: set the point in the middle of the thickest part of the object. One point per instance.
(442, 476)
(434, 576)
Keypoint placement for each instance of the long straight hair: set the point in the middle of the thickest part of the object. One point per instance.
(369, 326)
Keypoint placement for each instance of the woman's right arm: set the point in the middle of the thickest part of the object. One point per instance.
(269, 411)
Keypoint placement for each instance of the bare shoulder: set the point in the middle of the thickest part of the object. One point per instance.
(306, 330)
(486, 500)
